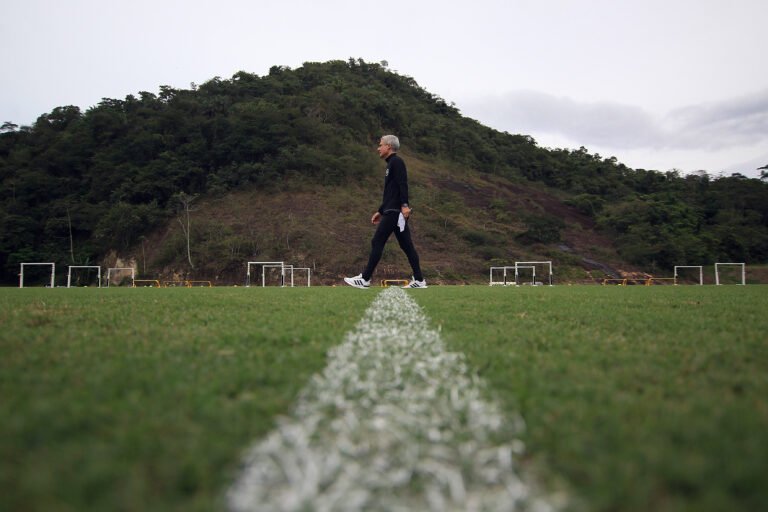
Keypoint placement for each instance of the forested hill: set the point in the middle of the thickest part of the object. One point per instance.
(283, 167)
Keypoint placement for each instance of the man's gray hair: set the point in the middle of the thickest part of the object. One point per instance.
(391, 141)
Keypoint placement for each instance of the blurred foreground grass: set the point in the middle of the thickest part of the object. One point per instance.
(143, 399)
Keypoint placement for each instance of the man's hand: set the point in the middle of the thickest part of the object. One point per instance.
(406, 211)
(376, 218)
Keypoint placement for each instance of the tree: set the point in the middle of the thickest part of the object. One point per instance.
(186, 201)
(763, 172)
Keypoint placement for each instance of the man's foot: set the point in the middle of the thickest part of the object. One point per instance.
(357, 281)
(416, 284)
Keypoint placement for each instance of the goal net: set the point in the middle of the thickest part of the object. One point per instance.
(37, 274)
(730, 273)
(689, 274)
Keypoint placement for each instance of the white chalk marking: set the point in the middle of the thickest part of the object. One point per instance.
(394, 422)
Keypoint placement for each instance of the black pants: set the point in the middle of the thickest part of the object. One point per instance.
(387, 225)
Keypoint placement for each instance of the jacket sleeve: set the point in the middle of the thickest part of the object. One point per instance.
(401, 177)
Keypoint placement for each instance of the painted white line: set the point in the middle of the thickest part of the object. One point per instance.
(394, 422)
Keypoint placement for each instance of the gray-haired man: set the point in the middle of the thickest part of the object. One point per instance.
(392, 216)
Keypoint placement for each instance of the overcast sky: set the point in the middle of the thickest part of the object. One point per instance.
(659, 84)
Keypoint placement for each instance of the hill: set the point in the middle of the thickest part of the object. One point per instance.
(282, 167)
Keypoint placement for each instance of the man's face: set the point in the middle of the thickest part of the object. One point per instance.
(384, 149)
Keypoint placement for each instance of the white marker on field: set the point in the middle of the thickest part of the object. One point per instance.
(394, 422)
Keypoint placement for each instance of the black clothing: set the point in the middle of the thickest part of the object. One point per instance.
(386, 226)
(395, 196)
(395, 185)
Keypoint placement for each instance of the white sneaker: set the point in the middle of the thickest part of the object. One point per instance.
(416, 284)
(357, 281)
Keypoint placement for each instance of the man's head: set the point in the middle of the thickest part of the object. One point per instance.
(388, 145)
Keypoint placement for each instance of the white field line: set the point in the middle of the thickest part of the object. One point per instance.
(394, 422)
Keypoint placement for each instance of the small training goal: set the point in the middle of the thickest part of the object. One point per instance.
(730, 273)
(522, 272)
(25, 266)
(277, 273)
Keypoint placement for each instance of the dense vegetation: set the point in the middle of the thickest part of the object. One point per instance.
(77, 186)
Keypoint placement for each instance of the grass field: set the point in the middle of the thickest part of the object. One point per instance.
(635, 398)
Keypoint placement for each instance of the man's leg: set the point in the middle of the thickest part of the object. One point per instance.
(406, 244)
(387, 224)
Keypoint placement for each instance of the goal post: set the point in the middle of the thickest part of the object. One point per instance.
(53, 273)
(677, 274)
(112, 271)
(264, 266)
(743, 272)
(69, 273)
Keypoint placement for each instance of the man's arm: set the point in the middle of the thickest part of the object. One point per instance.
(401, 178)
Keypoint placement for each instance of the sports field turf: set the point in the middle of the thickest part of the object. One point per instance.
(635, 398)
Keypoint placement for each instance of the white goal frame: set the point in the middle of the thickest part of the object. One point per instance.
(701, 272)
(264, 265)
(524, 264)
(69, 273)
(743, 272)
(504, 281)
(53, 273)
(122, 269)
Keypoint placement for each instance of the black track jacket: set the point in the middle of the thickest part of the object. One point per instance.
(395, 185)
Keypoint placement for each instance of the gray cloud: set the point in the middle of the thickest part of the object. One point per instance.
(712, 126)
(733, 122)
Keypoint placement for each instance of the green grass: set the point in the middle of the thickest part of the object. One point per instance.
(636, 398)
(143, 399)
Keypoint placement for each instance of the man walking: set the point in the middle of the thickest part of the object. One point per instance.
(392, 216)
